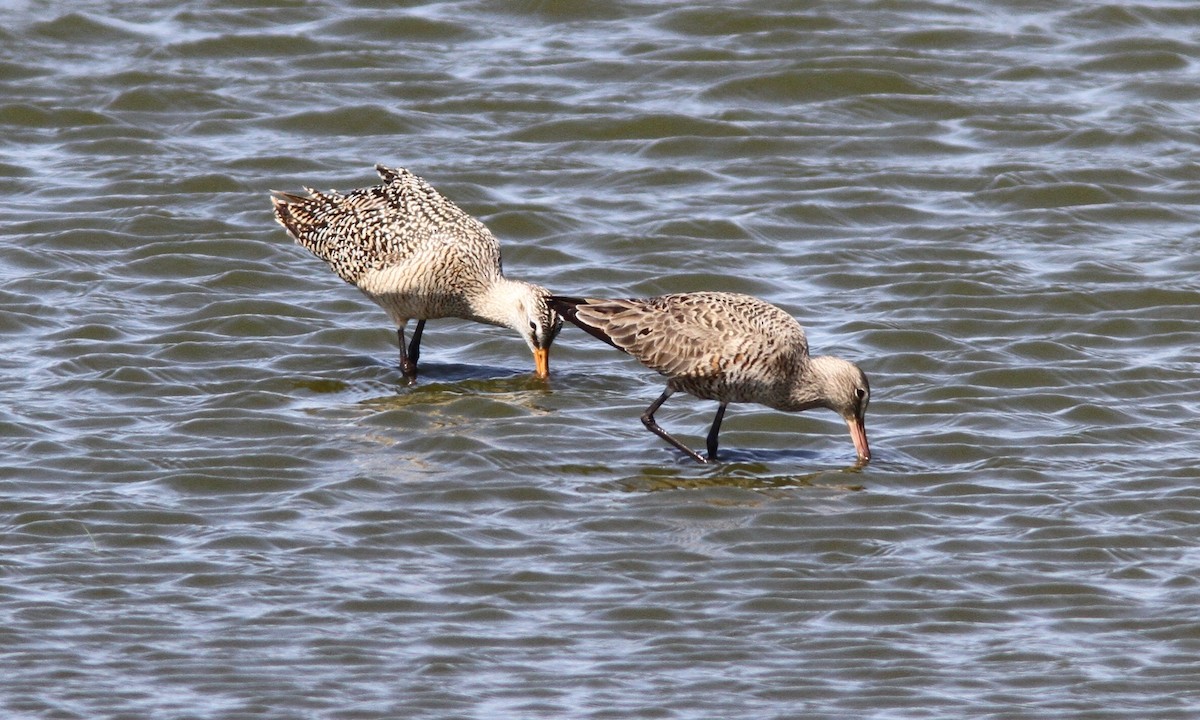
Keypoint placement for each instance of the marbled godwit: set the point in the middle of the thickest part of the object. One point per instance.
(729, 348)
(420, 257)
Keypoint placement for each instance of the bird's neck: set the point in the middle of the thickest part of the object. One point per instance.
(810, 386)
(502, 303)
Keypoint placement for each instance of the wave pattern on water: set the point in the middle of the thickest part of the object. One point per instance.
(219, 499)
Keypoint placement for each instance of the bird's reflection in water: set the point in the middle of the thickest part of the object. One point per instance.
(746, 470)
(442, 383)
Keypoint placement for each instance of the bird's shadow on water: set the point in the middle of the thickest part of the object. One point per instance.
(384, 387)
(454, 377)
(762, 456)
(744, 469)
(487, 378)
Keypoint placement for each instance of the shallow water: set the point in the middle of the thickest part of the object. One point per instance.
(219, 499)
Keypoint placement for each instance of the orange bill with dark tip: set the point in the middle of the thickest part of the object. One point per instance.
(541, 362)
(858, 433)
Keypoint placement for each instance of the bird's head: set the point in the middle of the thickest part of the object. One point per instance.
(538, 324)
(842, 386)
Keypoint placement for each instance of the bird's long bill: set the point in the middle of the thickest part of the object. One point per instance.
(541, 362)
(858, 433)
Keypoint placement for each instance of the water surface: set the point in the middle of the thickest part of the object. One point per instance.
(220, 500)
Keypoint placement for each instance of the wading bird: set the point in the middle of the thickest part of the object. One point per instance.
(420, 258)
(729, 348)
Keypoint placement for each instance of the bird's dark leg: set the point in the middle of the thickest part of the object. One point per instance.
(409, 352)
(712, 434)
(414, 346)
(648, 421)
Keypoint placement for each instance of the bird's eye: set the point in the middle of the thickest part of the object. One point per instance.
(533, 325)
(860, 393)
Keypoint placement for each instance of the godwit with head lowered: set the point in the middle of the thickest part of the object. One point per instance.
(729, 348)
(419, 257)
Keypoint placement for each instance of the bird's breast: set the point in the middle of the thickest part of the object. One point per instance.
(407, 291)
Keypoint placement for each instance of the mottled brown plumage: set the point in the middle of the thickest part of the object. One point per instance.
(419, 256)
(729, 348)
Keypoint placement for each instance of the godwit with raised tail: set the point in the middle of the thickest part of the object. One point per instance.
(419, 257)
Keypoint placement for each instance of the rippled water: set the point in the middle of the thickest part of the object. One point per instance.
(219, 499)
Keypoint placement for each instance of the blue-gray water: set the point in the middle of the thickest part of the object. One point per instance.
(219, 500)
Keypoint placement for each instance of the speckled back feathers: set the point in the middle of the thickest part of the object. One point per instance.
(374, 228)
(721, 346)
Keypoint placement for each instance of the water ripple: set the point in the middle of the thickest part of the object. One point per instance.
(222, 500)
